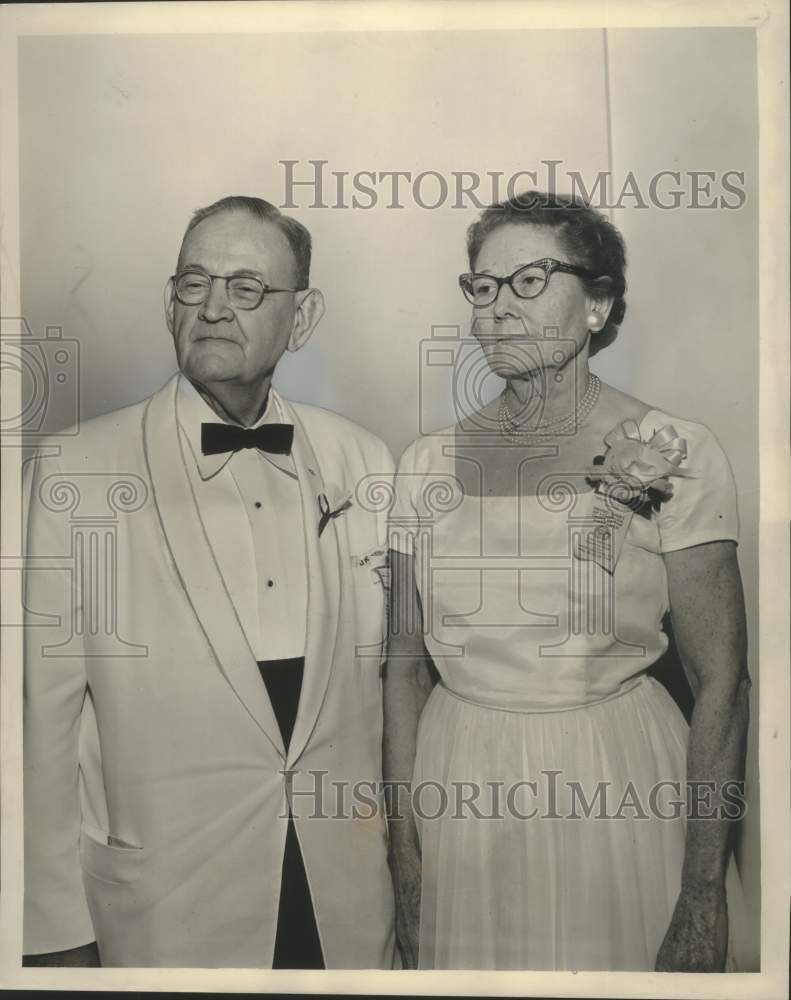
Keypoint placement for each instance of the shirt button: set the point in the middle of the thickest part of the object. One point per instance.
(270, 583)
(258, 503)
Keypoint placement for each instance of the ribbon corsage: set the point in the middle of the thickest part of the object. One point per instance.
(329, 510)
(633, 476)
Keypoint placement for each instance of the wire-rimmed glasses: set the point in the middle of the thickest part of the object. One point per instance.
(244, 291)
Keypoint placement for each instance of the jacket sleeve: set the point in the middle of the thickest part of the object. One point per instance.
(56, 910)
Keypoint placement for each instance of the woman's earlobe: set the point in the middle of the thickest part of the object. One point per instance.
(595, 321)
(598, 312)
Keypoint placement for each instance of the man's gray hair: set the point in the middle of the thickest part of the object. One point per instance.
(297, 235)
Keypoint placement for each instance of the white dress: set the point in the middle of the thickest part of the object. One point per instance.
(541, 752)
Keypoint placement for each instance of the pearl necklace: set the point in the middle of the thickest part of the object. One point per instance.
(509, 428)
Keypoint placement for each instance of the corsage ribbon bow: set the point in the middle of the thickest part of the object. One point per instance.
(327, 511)
(632, 476)
(637, 466)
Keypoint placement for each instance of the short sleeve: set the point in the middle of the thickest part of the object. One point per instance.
(703, 507)
(404, 515)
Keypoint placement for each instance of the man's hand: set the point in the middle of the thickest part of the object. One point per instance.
(405, 866)
(697, 939)
(84, 957)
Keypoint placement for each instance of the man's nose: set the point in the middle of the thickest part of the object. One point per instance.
(216, 306)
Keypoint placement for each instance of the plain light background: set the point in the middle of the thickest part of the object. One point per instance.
(122, 137)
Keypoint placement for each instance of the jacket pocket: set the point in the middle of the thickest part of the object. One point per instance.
(117, 863)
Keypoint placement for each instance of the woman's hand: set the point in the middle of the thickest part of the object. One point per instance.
(405, 866)
(697, 938)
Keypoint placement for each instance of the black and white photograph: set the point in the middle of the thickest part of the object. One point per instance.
(395, 498)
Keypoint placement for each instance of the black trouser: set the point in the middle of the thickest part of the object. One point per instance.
(297, 944)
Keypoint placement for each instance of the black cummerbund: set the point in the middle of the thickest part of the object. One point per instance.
(283, 680)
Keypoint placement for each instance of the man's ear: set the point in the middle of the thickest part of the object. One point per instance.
(310, 309)
(170, 302)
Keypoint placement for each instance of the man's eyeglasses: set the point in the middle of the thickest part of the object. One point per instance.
(244, 291)
(526, 282)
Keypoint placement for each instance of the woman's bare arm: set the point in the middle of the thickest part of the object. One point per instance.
(707, 608)
(407, 684)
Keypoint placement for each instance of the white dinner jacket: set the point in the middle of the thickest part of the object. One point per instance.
(156, 778)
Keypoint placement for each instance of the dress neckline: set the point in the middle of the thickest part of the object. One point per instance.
(580, 493)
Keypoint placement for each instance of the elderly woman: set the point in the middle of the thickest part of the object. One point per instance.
(562, 814)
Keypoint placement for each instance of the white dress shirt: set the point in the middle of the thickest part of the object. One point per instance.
(250, 504)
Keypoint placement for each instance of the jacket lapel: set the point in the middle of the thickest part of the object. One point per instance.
(324, 591)
(195, 561)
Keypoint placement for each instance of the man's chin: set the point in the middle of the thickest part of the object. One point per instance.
(210, 368)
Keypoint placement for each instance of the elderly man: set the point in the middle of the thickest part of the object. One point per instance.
(181, 744)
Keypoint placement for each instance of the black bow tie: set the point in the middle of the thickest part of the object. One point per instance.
(274, 438)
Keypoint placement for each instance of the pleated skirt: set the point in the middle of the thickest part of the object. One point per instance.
(553, 839)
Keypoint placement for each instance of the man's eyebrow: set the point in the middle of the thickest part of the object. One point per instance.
(243, 272)
(247, 272)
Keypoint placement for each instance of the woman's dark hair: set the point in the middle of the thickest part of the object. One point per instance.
(590, 240)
